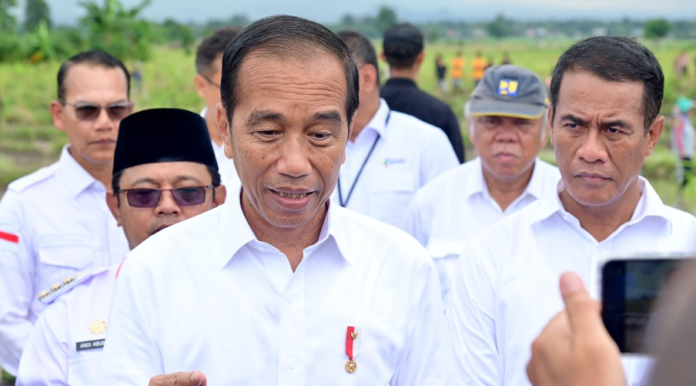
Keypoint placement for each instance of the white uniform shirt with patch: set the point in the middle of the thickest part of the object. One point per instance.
(408, 154)
(505, 288)
(64, 227)
(228, 174)
(206, 294)
(67, 341)
(453, 207)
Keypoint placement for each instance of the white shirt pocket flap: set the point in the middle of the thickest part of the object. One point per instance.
(393, 182)
(439, 248)
(68, 250)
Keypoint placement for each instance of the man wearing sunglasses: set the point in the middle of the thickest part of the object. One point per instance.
(207, 82)
(54, 222)
(164, 173)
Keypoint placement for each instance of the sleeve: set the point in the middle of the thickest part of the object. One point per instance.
(131, 355)
(17, 266)
(451, 128)
(471, 319)
(438, 157)
(427, 357)
(45, 357)
(413, 224)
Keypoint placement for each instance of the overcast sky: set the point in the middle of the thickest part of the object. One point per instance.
(68, 11)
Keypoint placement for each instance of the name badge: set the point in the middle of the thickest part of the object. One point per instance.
(90, 344)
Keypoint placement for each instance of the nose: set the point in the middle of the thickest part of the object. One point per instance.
(506, 133)
(104, 122)
(294, 160)
(167, 205)
(592, 149)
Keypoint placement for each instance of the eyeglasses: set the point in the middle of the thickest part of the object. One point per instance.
(150, 198)
(209, 81)
(90, 111)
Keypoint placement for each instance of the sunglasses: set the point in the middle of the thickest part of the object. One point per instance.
(150, 198)
(216, 85)
(90, 111)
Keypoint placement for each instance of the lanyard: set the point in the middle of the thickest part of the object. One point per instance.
(355, 182)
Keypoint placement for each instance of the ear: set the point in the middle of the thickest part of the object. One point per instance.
(350, 133)
(112, 203)
(57, 109)
(220, 195)
(549, 128)
(383, 57)
(223, 126)
(368, 77)
(200, 85)
(420, 58)
(654, 134)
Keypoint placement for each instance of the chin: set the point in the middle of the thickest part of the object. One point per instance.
(589, 197)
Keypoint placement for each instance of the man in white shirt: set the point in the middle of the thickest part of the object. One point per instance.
(606, 96)
(280, 285)
(54, 222)
(207, 82)
(390, 154)
(507, 126)
(164, 172)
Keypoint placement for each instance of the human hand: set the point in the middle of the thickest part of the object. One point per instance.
(575, 349)
(184, 378)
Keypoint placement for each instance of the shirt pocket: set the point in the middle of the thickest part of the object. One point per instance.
(72, 251)
(391, 195)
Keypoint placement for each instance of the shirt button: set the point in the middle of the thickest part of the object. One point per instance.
(291, 364)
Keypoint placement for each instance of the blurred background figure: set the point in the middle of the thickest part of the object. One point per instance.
(441, 72)
(682, 138)
(478, 67)
(681, 65)
(457, 73)
(506, 58)
(137, 76)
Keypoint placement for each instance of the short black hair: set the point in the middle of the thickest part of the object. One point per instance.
(286, 36)
(116, 181)
(363, 51)
(214, 45)
(92, 57)
(615, 59)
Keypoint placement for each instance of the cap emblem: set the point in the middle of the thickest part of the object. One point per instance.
(508, 87)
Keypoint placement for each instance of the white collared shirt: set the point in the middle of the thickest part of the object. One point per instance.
(228, 173)
(66, 343)
(206, 294)
(453, 207)
(62, 226)
(409, 154)
(505, 288)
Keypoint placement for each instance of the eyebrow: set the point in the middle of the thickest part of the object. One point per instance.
(258, 117)
(574, 119)
(616, 123)
(179, 179)
(332, 116)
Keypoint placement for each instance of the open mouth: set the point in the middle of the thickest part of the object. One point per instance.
(294, 196)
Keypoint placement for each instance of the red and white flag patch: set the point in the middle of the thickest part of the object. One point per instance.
(9, 241)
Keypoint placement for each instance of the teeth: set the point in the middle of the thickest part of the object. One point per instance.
(293, 196)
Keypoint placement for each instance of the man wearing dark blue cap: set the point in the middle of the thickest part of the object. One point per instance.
(164, 172)
(403, 51)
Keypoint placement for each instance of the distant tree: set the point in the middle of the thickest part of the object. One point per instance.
(35, 12)
(657, 28)
(8, 23)
(348, 20)
(117, 30)
(240, 20)
(386, 17)
(498, 28)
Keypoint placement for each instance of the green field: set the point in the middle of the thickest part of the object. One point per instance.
(29, 141)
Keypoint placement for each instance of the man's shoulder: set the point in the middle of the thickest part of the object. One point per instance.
(682, 222)
(415, 127)
(513, 229)
(450, 182)
(82, 284)
(35, 180)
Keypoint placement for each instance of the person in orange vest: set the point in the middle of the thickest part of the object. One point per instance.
(479, 68)
(457, 72)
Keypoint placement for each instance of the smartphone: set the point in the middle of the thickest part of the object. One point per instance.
(633, 290)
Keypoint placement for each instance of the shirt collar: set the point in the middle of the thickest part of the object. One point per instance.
(401, 82)
(75, 177)
(378, 122)
(649, 205)
(235, 232)
(477, 183)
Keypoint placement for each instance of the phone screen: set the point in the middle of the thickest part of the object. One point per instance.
(631, 290)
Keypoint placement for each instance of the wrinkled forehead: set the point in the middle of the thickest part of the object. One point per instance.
(165, 173)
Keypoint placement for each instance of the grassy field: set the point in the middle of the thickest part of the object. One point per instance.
(28, 139)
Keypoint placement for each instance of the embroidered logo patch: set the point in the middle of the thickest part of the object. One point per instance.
(508, 87)
(394, 161)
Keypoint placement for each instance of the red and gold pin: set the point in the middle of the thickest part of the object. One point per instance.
(352, 348)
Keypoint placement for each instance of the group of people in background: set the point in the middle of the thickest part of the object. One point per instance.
(311, 226)
(458, 65)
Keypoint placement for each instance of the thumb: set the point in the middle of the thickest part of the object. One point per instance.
(198, 379)
(583, 311)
